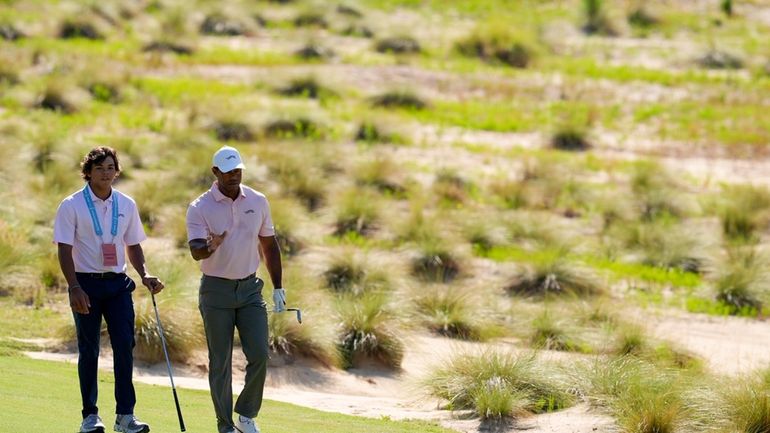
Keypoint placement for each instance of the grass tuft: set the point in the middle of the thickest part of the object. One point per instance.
(553, 273)
(307, 87)
(498, 385)
(218, 24)
(301, 127)
(233, 130)
(496, 43)
(79, 28)
(399, 99)
(368, 333)
(398, 45)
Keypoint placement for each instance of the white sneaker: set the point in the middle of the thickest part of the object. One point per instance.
(245, 425)
(130, 424)
(92, 423)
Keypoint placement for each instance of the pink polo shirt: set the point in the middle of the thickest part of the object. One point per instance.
(244, 219)
(73, 226)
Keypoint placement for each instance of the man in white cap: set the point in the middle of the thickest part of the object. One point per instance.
(226, 227)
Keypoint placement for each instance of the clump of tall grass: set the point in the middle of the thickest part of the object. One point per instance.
(354, 272)
(451, 187)
(79, 28)
(381, 173)
(398, 45)
(346, 9)
(727, 7)
(9, 74)
(554, 273)
(641, 18)
(14, 248)
(449, 311)
(300, 179)
(716, 59)
(310, 19)
(289, 338)
(167, 46)
(300, 127)
(742, 280)
(666, 244)
(642, 397)
(233, 130)
(371, 132)
(358, 212)
(314, 51)
(59, 98)
(570, 139)
(497, 43)
(399, 99)
(368, 332)
(499, 385)
(435, 262)
(218, 24)
(287, 215)
(358, 30)
(745, 211)
(596, 20)
(656, 192)
(10, 33)
(550, 334)
(307, 87)
(182, 329)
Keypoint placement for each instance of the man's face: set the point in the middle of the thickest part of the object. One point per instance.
(231, 179)
(102, 174)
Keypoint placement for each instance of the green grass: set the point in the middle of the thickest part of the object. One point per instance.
(618, 270)
(179, 90)
(54, 387)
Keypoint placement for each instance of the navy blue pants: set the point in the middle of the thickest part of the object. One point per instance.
(110, 298)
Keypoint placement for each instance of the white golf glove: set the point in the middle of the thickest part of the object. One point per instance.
(279, 300)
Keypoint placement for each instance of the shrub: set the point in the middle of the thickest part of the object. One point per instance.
(78, 28)
(367, 332)
(219, 25)
(398, 45)
(310, 19)
(451, 187)
(8, 74)
(655, 192)
(666, 245)
(554, 273)
(727, 7)
(399, 99)
(371, 133)
(747, 404)
(105, 91)
(496, 43)
(496, 384)
(301, 179)
(233, 130)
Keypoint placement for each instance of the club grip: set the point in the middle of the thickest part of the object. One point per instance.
(178, 411)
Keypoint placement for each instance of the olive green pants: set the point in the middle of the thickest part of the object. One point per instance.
(226, 305)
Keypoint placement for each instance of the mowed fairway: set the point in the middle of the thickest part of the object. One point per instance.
(43, 396)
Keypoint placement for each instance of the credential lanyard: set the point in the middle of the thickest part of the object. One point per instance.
(95, 218)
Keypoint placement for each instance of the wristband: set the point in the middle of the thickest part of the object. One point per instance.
(69, 289)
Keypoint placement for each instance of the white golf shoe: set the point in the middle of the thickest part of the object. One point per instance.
(92, 423)
(130, 424)
(246, 425)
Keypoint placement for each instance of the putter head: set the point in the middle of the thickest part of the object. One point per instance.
(299, 313)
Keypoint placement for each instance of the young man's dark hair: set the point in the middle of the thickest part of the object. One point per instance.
(96, 156)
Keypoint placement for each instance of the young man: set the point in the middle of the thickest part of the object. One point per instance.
(226, 226)
(95, 229)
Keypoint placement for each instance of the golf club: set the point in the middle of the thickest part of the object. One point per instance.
(168, 362)
(297, 310)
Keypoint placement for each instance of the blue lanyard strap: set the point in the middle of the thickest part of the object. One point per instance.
(95, 218)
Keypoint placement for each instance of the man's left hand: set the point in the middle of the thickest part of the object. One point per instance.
(153, 283)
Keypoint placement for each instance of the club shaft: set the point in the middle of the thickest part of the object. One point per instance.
(168, 363)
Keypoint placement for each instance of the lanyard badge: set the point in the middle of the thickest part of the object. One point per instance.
(109, 250)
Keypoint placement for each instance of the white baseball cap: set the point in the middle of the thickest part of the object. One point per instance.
(227, 159)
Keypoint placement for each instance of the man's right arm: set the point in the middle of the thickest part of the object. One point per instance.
(79, 301)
